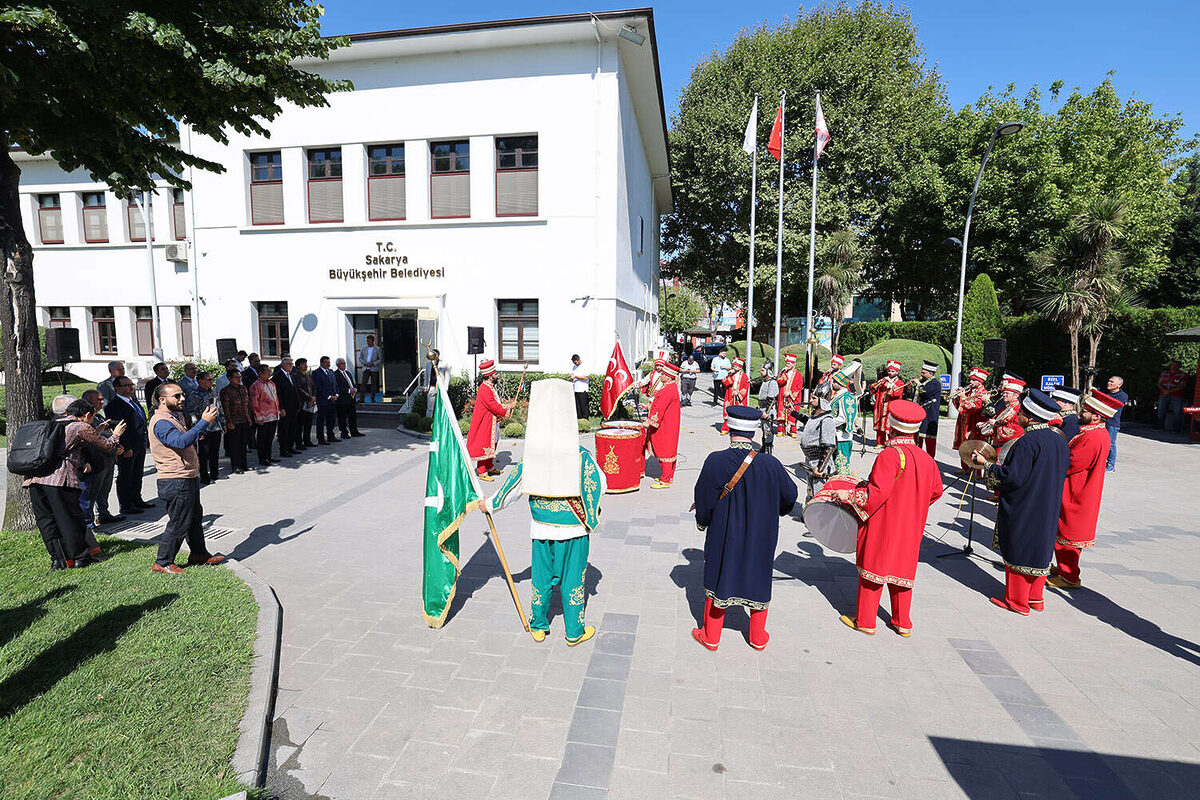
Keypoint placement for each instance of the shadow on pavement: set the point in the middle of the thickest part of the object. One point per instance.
(1129, 623)
(264, 536)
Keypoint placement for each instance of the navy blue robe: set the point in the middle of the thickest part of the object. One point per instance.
(1070, 424)
(1031, 487)
(743, 528)
(931, 401)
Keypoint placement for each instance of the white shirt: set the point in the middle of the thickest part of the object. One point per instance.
(579, 377)
(691, 365)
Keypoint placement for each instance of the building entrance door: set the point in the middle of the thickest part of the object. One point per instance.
(400, 345)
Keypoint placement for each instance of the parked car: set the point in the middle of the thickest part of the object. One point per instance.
(705, 353)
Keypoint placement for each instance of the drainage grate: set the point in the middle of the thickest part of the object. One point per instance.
(149, 530)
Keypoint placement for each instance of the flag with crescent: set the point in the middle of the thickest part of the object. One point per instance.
(617, 381)
(450, 492)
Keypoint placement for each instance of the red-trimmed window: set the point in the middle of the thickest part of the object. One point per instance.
(137, 223)
(95, 218)
(385, 182)
(518, 330)
(144, 328)
(178, 220)
(325, 185)
(266, 188)
(50, 219)
(60, 317)
(185, 331)
(450, 180)
(104, 331)
(517, 176)
(272, 329)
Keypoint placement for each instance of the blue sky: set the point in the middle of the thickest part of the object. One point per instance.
(1151, 45)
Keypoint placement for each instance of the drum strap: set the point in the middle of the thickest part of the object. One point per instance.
(737, 476)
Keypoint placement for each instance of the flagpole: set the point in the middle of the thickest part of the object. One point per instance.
(779, 245)
(753, 207)
(812, 252)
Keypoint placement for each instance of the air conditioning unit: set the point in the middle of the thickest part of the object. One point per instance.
(176, 253)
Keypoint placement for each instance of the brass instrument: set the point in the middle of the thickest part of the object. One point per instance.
(1005, 415)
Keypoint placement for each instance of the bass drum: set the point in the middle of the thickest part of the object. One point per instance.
(833, 523)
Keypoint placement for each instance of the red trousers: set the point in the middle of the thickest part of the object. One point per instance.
(714, 621)
(1023, 592)
(881, 437)
(931, 446)
(788, 425)
(869, 594)
(482, 467)
(668, 470)
(1068, 561)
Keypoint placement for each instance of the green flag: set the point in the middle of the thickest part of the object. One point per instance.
(450, 492)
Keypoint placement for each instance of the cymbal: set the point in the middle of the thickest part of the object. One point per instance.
(970, 446)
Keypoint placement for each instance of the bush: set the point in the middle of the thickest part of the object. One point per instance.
(202, 365)
(981, 320)
(411, 420)
(514, 430)
(823, 355)
(464, 425)
(859, 337)
(459, 389)
(910, 353)
(585, 425)
(425, 424)
(420, 402)
(759, 354)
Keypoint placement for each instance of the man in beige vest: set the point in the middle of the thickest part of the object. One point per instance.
(173, 448)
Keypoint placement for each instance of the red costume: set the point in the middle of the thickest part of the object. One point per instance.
(970, 405)
(481, 438)
(791, 389)
(895, 502)
(1083, 489)
(662, 428)
(737, 391)
(885, 390)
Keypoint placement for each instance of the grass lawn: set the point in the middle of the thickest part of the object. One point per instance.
(116, 682)
(51, 388)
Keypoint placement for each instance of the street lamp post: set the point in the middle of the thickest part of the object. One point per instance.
(1003, 129)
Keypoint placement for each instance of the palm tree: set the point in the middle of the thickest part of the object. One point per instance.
(1061, 294)
(838, 280)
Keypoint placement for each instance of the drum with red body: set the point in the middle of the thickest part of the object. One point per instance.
(832, 522)
(620, 452)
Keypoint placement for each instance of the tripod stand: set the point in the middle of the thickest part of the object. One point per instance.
(967, 550)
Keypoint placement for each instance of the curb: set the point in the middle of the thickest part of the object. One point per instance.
(254, 739)
(424, 436)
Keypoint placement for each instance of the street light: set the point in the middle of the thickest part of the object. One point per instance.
(1003, 129)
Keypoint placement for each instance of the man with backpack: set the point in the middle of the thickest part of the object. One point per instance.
(53, 456)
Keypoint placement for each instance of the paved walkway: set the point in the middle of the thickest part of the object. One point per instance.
(1095, 697)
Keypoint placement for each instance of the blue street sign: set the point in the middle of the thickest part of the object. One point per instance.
(1049, 382)
(945, 383)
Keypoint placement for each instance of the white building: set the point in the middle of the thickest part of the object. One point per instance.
(538, 156)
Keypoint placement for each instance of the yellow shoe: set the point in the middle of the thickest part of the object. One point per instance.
(1062, 583)
(588, 633)
(487, 478)
(538, 636)
(660, 485)
(849, 623)
(905, 632)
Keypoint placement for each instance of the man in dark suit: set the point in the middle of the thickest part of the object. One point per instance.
(347, 411)
(250, 373)
(327, 396)
(289, 405)
(132, 462)
(161, 373)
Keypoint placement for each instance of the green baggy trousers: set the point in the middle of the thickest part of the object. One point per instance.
(563, 563)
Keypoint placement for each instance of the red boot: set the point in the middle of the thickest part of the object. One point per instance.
(1016, 593)
(714, 620)
(758, 629)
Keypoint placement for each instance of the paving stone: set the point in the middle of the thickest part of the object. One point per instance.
(600, 693)
(586, 765)
(594, 726)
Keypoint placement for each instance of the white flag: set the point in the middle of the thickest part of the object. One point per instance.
(822, 130)
(750, 142)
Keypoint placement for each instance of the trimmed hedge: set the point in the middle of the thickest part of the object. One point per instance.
(759, 353)
(859, 337)
(514, 430)
(910, 353)
(981, 318)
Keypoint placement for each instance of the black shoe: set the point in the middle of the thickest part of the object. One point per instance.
(147, 505)
(80, 563)
(356, 433)
(133, 511)
(105, 519)
(266, 463)
(57, 565)
(288, 454)
(205, 481)
(322, 441)
(239, 471)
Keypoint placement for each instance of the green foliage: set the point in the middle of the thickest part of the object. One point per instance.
(213, 368)
(759, 354)
(911, 355)
(1179, 284)
(823, 355)
(459, 389)
(89, 660)
(678, 310)
(585, 425)
(421, 402)
(859, 337)
(514, 430)
(411, 419)
(425, 424)
(464, 425)
(981, 320)
(838, 278)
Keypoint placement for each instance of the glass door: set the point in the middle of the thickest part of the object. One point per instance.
(401, 349)
(364, 325)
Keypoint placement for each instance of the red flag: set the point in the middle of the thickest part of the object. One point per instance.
(822, 130)
(617, 381)
(775, 143)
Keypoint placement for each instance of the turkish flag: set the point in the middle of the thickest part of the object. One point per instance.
(775, 143)
(617, 381)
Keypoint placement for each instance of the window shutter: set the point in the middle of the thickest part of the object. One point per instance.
(51, 221)
(451, 195)
(137, 226)
(95, 225)
(180, 225)
(325, 201)
(517, 192)
(266, 203)
(185, 336)
(145, 337)
(386, 198)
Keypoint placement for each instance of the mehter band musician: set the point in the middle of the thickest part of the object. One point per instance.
(930, 399)
(662, 425)
(825, 382)
(885, 390)
(1031, 480)
(1068, 398)
(740, 496)
(1083, 487)
(791, 390)
(970, 402)
(737, 390)
(844, 409)
(895, 502)
(483, 435)
(1003, 426)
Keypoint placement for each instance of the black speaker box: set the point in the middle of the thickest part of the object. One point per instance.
(474, 340)
(226, 349)
(62, 345)
(995, 352)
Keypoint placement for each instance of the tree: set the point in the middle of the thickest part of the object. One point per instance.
(1179, 284)
(104, 87)
(838, 279)
(882, 103)
(678, 310)
(981, 319)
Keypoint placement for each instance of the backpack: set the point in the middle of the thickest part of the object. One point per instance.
(37, 449)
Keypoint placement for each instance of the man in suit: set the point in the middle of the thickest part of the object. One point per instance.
(289, 404)
(161, 374)
(132, 462)
(115, 370)
(250, 373)
(347, 414)
(327, 396)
